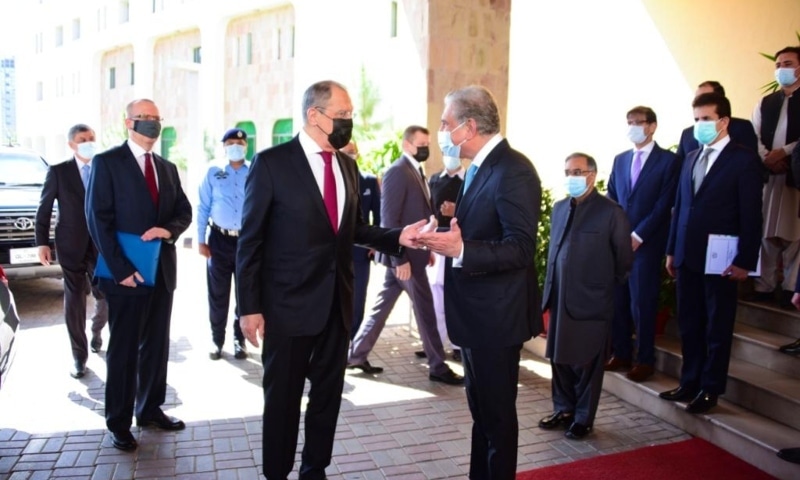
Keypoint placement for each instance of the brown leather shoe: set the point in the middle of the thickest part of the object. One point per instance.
(640, 373)
(615, 363)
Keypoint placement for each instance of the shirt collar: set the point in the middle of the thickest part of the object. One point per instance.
(459, 173)
(721, 143)
(647, 149)
(486, 149)
(137, 150)
(309, 146)
(411, 159)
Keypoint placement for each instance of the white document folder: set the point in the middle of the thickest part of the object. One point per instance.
(721, 251)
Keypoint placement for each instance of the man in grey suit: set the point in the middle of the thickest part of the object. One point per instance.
(590, 251)
(405, 196)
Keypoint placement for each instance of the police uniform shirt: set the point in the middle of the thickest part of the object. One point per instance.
(221, 199)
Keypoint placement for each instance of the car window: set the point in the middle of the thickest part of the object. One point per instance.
(17, 169)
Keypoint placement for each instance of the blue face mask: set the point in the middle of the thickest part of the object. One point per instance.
(87, 150)
(576, 185)
(235, 152)
(449, 149)
(705, 131)
(785, 76)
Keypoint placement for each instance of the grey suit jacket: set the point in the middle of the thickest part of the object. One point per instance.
(404, 200)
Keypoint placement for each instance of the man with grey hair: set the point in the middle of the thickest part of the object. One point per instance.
(490, 289)
(294, 265)
(77, 255)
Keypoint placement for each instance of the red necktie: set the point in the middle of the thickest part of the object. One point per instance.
(150, 178)
(329, 191)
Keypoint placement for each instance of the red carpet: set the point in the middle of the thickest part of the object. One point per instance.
(690, 459)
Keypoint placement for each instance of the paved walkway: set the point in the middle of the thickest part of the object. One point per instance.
(394, 425)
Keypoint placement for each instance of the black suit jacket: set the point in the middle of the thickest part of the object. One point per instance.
(370, 195)
(728, 202)
(740, 130)
(289, 262)
(493, 300)
(118, 200)
(63, 183)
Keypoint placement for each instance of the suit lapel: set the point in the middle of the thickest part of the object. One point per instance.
(350, 178)
(483, 174)
(413, 173)
(164, 194)
(648, 167)
(306, 179)
(713, 172)
(73, 175)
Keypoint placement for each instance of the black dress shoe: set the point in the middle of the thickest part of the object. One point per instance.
(558, 419)
(216, 352)
(96, 343)
(123, 440)
(456, 355)
(449, 377)
(702, 403)
(790, 454)
(78, 370)
(162, 421)
(421, 354)
(239, 350)
(366, 367)
(576, 431)
(680, 394)
(791, 348)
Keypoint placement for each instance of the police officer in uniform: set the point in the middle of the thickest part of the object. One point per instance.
(220, 212)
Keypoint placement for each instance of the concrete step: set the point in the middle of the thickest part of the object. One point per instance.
(764, 391)
(770, 318)
(760, 347)
(743, 433)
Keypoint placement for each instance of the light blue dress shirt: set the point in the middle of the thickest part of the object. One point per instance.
(221, 199)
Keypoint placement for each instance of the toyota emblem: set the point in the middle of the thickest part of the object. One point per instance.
(23, 223)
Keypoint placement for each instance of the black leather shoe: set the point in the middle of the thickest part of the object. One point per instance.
(239, 350)
(790, 454)
(96, 343)
(680, 394)
(791, 348)
(78, 370)
(449, 377)
(366, 367)
(558, 419)
(456, 355)
(162, 421)
(216, 352)
(702, 403)
(421, 354)
(576, 431)
(123, 440)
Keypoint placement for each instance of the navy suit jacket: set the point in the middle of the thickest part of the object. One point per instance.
(73, 244)
(289, 261)
(728, 202)
(118, 200)
(493, 300)
(649, 203)
(370, 194)
(740, 130)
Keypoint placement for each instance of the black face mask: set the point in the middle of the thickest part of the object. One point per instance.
(148, 128)
(422, 154)
(341, 133)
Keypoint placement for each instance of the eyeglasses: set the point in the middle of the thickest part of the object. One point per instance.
(343, 114)
(577, 172)
(638, 122)
(152, 118)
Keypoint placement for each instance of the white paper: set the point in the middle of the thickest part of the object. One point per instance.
(721, 251)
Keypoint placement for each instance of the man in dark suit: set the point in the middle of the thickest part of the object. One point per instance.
(490, 287)
(369, 193)
(294, 262)
(133, 190)
(643, 182)
(66, 183)
(405, 197)
(719, 193)
(740, 130)
(590, 254)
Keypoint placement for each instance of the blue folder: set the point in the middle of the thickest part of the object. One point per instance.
(143, 255)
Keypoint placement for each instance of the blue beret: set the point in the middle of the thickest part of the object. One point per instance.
(234, 134)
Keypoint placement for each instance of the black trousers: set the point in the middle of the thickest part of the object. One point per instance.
(220, 269)
(288, 361)
(361, 269)
(490, 377)
(77, 284)
(138, 350)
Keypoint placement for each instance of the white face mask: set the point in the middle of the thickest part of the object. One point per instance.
(636, 134)
(785, 76)
(449, 149)
(87, 150)
(451, 163)
(235, 152)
